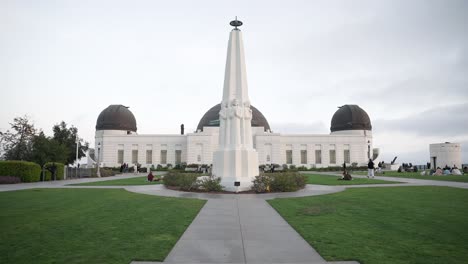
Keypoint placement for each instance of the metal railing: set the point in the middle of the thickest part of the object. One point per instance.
(75, 173)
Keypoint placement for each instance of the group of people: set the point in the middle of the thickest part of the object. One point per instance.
(124, 168)
(446, 171)
(370, 171)
(346, 175)
(151, 177)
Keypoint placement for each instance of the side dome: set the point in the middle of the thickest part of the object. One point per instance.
(211, 118)
(116, 117)
(350, 117)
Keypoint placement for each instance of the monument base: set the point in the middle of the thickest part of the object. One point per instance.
(237, 168)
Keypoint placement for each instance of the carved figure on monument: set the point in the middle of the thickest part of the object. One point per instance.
(223, 113)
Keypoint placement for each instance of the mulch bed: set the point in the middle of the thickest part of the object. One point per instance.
(175, 188)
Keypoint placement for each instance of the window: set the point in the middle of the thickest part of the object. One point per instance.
(303, 156)
(288, 156)
(346, 154)
(163, 156)
(120, 156)
(268, 151)
(332, 154)
(198, 158)
(149, 156)
(318, 154)
(134, 156)
(178, 156)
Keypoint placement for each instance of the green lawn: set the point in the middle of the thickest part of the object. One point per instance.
(333, 180)
(383, 225)
(417, 175)
(121, 182)
(90, 225)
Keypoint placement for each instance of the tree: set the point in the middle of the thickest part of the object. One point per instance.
(67, 137)
(46, 149)
(17, 142)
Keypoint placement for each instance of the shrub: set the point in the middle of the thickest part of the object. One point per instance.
(114, 169)
(279, 182)
(189, 182)
(261, 183)
(9, 179)
(26, 171)
(103, 171)
(300, 180)
(302, 168)
(284, 182)
(58, 173)
(185, 181)
(211, 184)
(161, 168)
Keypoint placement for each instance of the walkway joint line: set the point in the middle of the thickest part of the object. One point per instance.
(240, 228)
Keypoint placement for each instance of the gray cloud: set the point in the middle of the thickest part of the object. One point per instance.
(404, 62)
(450, 120)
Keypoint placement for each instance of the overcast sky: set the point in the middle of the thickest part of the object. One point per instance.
(404, 62)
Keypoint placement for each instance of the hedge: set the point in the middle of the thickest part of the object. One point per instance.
(58, 172)
(26, 171)
(279, 182)
(185, 182)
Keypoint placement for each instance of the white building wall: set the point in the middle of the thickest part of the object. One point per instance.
(111, 139)
(445, 154)
(272, 144)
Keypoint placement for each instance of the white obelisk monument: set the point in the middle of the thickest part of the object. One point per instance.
(235, 161)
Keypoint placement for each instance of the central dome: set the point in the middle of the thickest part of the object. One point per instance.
(350, 117)
(116, 117)
(211, 118)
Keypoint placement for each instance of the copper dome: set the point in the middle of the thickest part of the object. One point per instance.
(211, 118)
(116, 117)
(350, 117)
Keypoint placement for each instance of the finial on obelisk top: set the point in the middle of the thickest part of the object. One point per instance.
(236, 23)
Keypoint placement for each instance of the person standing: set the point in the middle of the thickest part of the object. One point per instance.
(370, 169)
(135, 169)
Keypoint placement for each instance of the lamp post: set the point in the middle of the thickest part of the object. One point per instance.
(368, 149)
(77, 146)
(98, 173)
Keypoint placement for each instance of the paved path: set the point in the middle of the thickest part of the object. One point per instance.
(241, 230)
(237, 228)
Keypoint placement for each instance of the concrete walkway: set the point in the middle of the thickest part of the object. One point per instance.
(237, 228)
(241, 231)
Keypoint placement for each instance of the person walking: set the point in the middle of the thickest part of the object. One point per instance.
(135, 169)
(370, 169)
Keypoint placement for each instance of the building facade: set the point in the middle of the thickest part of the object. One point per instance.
(117, 141)
(445, 154)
